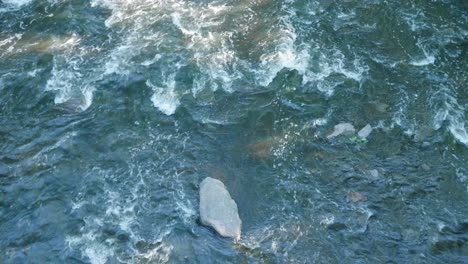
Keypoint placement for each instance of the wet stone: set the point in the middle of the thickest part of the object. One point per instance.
(425, 145)
(218, 210)
(342, 129)
(365, 131)
(373, 174)
(425, 167)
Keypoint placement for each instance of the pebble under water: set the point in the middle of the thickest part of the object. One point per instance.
(113, 111)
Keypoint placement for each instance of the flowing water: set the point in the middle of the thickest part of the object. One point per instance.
(113, 111)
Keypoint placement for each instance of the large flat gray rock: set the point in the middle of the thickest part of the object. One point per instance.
(218, 210)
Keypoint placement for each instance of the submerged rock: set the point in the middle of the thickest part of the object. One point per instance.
(262, 149)
(379, 107)
(425, 167)
(365, 131)
(356, 197)
(342, 128)
(73, 105)
(218, 210)
(425, 145)
(362, 220)
(373, 174)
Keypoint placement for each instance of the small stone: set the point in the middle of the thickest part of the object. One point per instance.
(356, 197)
(381, 107)
(342, 129)
(425, 167)
(425, 145)
(373, 174)
(218, 210)
(365, 131)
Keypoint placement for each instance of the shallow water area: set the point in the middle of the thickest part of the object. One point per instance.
(113, 111)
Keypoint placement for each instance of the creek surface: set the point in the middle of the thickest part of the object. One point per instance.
(113, 111)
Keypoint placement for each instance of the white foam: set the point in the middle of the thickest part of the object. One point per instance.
(444, 112)
(61, 83)
(459, 131)
(67, 81)
(399, 117)
(156, 58)
(186, 31)
(198, 34)
(211, 49)
(319, 122)
(87, 92)
(64, 81)
(97, 251)
(199, 24)
(17, 3)
(10, 40)
(462, 175)
(416, 20)
(90, 242)
(7, 45)
(159, 254)
(127, 205)
(118, 60)
(427, 60)
(165, 98)
(457, 125)
(287, 54)
(98, 254)
(294, 55)
(334, 64)
(448, 110)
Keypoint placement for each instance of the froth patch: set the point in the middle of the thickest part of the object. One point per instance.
(448, 110)
(286, 55)
(423, 62)
(20, 43)
(88, 242)
(17, 3)
(165, 98)
(67, 93)
(334, 64)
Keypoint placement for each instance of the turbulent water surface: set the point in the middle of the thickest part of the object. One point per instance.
(113, 111)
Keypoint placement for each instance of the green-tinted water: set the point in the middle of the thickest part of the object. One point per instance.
(113, 111)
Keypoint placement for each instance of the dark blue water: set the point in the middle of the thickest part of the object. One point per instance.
(113, 111)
